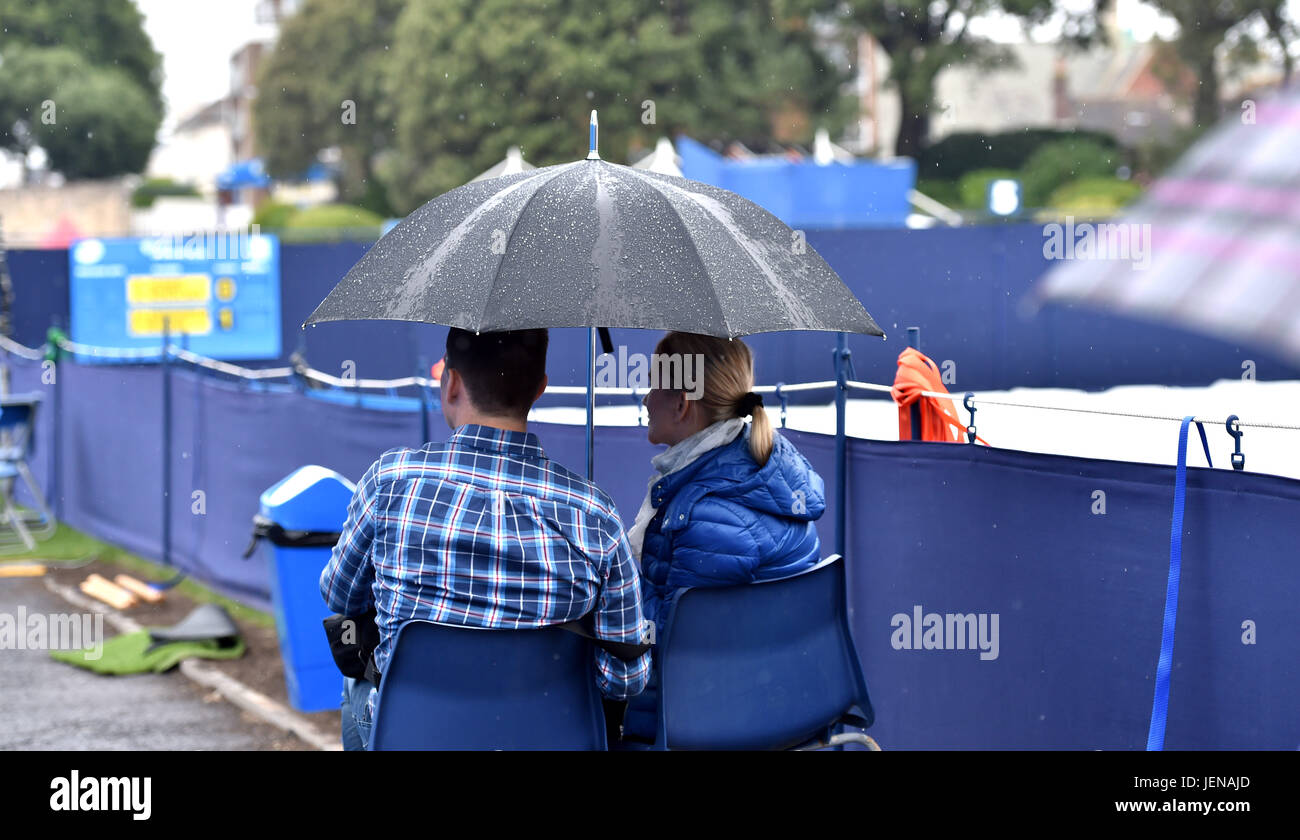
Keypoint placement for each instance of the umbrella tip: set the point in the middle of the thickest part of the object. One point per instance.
(593, 134)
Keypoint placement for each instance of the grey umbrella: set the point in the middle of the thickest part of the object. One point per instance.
(594, 244)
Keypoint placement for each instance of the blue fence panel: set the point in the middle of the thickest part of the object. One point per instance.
(949, 529)
(1080, 598)
(966, 288)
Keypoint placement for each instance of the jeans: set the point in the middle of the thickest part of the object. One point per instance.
(355, 714)
(641, 718)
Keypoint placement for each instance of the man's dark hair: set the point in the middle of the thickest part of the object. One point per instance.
(502, 370)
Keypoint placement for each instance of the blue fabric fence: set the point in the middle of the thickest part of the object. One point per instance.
(933, 529)
(966, 288)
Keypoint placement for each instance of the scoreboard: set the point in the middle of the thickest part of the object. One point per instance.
(220, 290)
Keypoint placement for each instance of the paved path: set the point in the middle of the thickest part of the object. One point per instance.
(47, 705)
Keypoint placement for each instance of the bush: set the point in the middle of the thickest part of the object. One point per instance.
(273, 215)
(144, 195)
(333, 216)
(944, 192)
(1063, 161)
(973, 188)
(958, 154)
(1094, 196)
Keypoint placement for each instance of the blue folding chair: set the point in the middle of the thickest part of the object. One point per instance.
(767, 665)
(18, 528)
(455, 688)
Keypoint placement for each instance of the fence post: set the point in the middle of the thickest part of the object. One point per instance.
(591, 403)
(841, 444)
(54, 354)
(165, 368)
(423, 371)
(914, 341)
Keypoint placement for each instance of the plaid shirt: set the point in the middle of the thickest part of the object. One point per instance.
(484, 530)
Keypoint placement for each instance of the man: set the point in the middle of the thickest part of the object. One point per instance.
(484, 530)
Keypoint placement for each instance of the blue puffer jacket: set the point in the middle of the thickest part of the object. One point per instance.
(723, 520)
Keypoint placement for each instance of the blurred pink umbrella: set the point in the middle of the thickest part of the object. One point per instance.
(1214, 245)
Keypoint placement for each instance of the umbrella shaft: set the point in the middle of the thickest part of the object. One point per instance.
(591, 404)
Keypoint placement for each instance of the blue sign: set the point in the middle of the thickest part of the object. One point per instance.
(219, 289)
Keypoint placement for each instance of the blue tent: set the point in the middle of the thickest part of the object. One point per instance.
(244, 173)
(806, 194)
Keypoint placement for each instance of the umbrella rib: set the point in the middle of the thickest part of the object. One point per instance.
(487, 300)
(694, 247)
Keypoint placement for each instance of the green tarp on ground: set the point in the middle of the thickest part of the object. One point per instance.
(137, 653)
(207, 633)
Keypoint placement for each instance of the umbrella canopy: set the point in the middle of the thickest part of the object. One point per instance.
(513, 164)
(664, 159)
(1223, 237)
(595, 244)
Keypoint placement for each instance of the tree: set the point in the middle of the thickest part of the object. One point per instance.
(1283, 30)
(923, 37)
(82, 81)
(469, 78)
(1204, 26)
(92, 122)
(105, 33)
(323, 87)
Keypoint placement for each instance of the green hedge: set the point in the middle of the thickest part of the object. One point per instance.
(333, 216)
(1094, 196)
(958, 154)
(973, 188)
(1063, 161)
(144, 195)
(273, 215)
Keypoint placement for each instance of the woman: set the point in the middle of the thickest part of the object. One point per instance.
(729, 502)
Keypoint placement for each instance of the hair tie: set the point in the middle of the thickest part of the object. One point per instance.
(748, 403)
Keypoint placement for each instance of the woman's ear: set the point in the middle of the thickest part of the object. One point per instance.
(681, 407)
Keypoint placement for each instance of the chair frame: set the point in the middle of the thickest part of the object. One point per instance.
(14, 452)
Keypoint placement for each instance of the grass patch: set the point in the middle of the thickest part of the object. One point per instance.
(68, 547)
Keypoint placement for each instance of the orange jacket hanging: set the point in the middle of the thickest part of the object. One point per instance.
(939, 421)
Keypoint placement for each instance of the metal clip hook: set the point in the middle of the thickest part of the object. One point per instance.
(843, 361)
(1238, 459)
(785, 401)
(969, 402)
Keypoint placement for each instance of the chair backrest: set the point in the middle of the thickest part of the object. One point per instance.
(451, 687)
(760, 666)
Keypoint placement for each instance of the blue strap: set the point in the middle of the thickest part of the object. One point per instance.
(1205, 443)
(1160, 706)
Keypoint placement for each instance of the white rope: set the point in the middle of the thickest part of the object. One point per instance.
(978, 400)
(226, 367)
(109, 352)
(795, 388)
(10, 346)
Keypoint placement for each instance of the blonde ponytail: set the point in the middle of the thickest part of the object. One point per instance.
(728, 380)
(760, 436)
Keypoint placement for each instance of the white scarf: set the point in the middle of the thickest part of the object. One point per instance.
(671, 460)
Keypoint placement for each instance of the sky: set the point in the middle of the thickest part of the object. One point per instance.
(196, 38)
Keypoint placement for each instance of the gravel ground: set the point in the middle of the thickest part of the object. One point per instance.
(47, 705)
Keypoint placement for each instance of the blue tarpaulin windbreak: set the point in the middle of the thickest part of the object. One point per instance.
(995, 602)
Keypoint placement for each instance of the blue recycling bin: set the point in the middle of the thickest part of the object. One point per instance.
(298, 523)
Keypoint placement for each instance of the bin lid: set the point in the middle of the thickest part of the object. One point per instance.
(311, 498)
